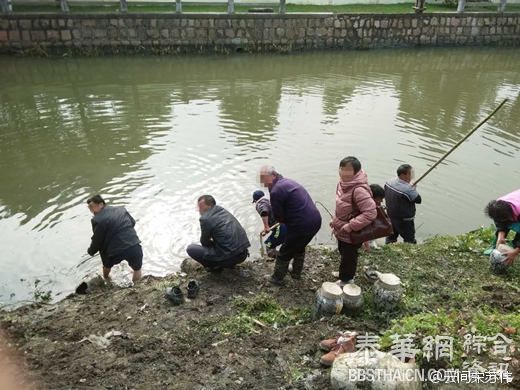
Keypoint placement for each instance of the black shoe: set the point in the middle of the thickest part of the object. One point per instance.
(193, 289)
(276, 282)
(82, 288)
(175, 295)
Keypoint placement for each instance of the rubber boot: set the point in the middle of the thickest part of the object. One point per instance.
(297, 265)
(280, 270)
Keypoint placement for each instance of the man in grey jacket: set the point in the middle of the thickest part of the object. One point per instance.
(223, 240)
(401, 198)
(114, 237)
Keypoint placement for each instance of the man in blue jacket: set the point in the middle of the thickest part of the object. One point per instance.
(401, 198)
(114, 237)
(223, 240)
(291, 205)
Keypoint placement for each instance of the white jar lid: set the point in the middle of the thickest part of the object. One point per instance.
(331, 290)
(352, 290)
(390, 279)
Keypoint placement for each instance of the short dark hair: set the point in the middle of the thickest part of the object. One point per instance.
(208, 200)
(97, 199)
(352, 161)
(499, 211)
(377, 191)
(404, 169)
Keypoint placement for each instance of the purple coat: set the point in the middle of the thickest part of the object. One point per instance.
(293, 206)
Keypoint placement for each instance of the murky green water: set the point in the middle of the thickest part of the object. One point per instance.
(155, 133)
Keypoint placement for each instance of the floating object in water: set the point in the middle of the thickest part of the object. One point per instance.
(329, 300)
(388, 291)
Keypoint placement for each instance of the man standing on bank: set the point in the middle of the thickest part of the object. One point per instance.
(401, 198)
(223, 240)
(291, 205)
(114, 237)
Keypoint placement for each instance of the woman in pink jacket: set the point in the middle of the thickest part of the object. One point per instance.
(355, 209)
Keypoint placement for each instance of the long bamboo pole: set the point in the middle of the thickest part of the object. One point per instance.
(460, 142)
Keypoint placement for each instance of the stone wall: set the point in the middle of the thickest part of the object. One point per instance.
(171, 33)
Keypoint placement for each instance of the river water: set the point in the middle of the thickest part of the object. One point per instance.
(154, 133)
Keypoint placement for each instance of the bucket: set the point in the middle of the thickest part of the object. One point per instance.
(329, 300)
(352, 299)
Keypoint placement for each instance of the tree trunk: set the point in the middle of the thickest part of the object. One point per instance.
(64, 6)
(502, 6)
(178, 6)
(230, 7)
(460, 7)
(5, 6)
(282, 7)
(123, 6)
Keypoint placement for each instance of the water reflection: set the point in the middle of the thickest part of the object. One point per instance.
(154, 133)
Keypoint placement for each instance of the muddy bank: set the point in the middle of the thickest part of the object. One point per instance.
(240, 333)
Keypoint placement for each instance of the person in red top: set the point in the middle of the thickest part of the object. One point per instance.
(355, 209)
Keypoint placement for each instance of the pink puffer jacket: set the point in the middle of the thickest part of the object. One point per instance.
(513, 199)
(364, 203)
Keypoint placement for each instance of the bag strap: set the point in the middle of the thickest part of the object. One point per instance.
(354, 208)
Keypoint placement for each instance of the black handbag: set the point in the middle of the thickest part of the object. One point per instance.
(379, 227)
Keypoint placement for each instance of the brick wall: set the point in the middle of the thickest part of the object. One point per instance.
(171, 33)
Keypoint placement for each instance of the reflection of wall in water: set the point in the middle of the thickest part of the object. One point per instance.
(249, 111)
(54, 137)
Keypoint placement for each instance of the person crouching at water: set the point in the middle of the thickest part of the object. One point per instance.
(505, 212)
(355, 209)
(114, 237)
(223, 240)
(278, 234)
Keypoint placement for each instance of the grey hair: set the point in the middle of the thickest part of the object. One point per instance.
(268, 170)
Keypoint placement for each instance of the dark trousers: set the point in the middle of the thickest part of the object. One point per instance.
(403, 228)
(133, 255)
(292, 248)
(206, 257)
(349, 260)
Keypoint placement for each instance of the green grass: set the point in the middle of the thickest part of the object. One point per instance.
(449, 291)
(261, 309)
(350, 8)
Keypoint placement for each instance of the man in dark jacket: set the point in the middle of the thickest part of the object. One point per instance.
(401, 198)
(224, 241)
(114, 237)
(292, 206)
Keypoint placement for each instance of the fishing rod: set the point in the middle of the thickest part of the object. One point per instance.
(460, 142)
(322, 205)
(85, 260)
